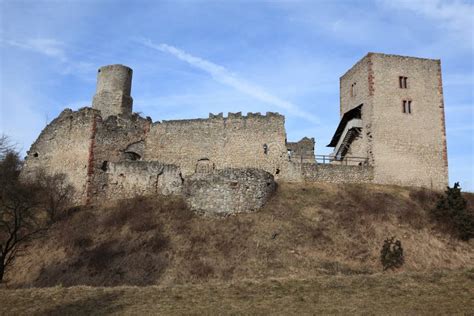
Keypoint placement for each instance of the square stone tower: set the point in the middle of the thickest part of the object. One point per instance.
(392, 113)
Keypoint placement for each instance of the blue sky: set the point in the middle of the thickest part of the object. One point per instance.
(195, 57)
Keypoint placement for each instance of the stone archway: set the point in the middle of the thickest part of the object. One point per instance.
(204, 165)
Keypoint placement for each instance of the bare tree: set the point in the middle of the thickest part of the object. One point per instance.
(27, 209)
(5, 146)
(20, 221)
(58, 192)
(20, 218)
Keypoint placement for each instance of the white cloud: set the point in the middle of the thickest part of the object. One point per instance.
(221, 74)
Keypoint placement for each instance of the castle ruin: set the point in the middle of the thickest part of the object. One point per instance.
(392, 131)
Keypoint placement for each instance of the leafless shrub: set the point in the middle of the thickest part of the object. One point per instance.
(424, 197)
(6, 146)
(101, 256)
(201, 270)
(83, 242)
(158, 242)
(58, 194)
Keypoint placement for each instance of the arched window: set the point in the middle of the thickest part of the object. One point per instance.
(134, 151)
(132, 156)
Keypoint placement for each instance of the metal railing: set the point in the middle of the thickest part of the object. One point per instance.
(347, 160)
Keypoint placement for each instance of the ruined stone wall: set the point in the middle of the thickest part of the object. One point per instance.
(64, 146)
(112, 138)
(301, 151)
(409, 149)
(252, 141)
(128, 179)
(228, 191)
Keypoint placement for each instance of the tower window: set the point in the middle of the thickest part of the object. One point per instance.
(403, 82)
(265, 149)
(406, 108)
(353, 89)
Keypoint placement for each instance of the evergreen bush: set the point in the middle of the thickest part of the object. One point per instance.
(391, 254)
(452, 211)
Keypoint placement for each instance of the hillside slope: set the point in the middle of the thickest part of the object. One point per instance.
(305, 231)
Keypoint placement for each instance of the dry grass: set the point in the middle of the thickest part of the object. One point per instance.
(434, 293)
(305, 231)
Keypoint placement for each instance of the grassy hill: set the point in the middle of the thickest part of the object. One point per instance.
(305, 231)
(314, 248)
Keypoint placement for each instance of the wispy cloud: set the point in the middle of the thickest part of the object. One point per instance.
(45, 46)
(56, 50)
(456, 15)
(223, 75)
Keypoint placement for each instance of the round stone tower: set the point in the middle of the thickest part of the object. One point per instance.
(112, 97)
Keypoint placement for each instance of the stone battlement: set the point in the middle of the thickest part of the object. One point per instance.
(270, 116)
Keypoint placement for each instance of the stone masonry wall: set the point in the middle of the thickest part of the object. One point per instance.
(252, 141)
(114, 84)
(64, 147)
(111, 138)
(131, 178)
(361, 76)
(302, 151)
(409, 149)
(333, 173)
(338, 173)
(228, 191)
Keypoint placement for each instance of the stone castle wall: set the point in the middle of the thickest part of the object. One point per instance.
(335, 173)
(332, 173)
(239, 190)
(131, 178)
(112, 137)
(301, 151)
(252, 141)
(64, 146)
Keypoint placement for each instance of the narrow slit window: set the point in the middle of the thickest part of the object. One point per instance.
(353, 89)
(403, 82)
(406, 106)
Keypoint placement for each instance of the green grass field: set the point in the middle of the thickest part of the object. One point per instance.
(434, 293)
